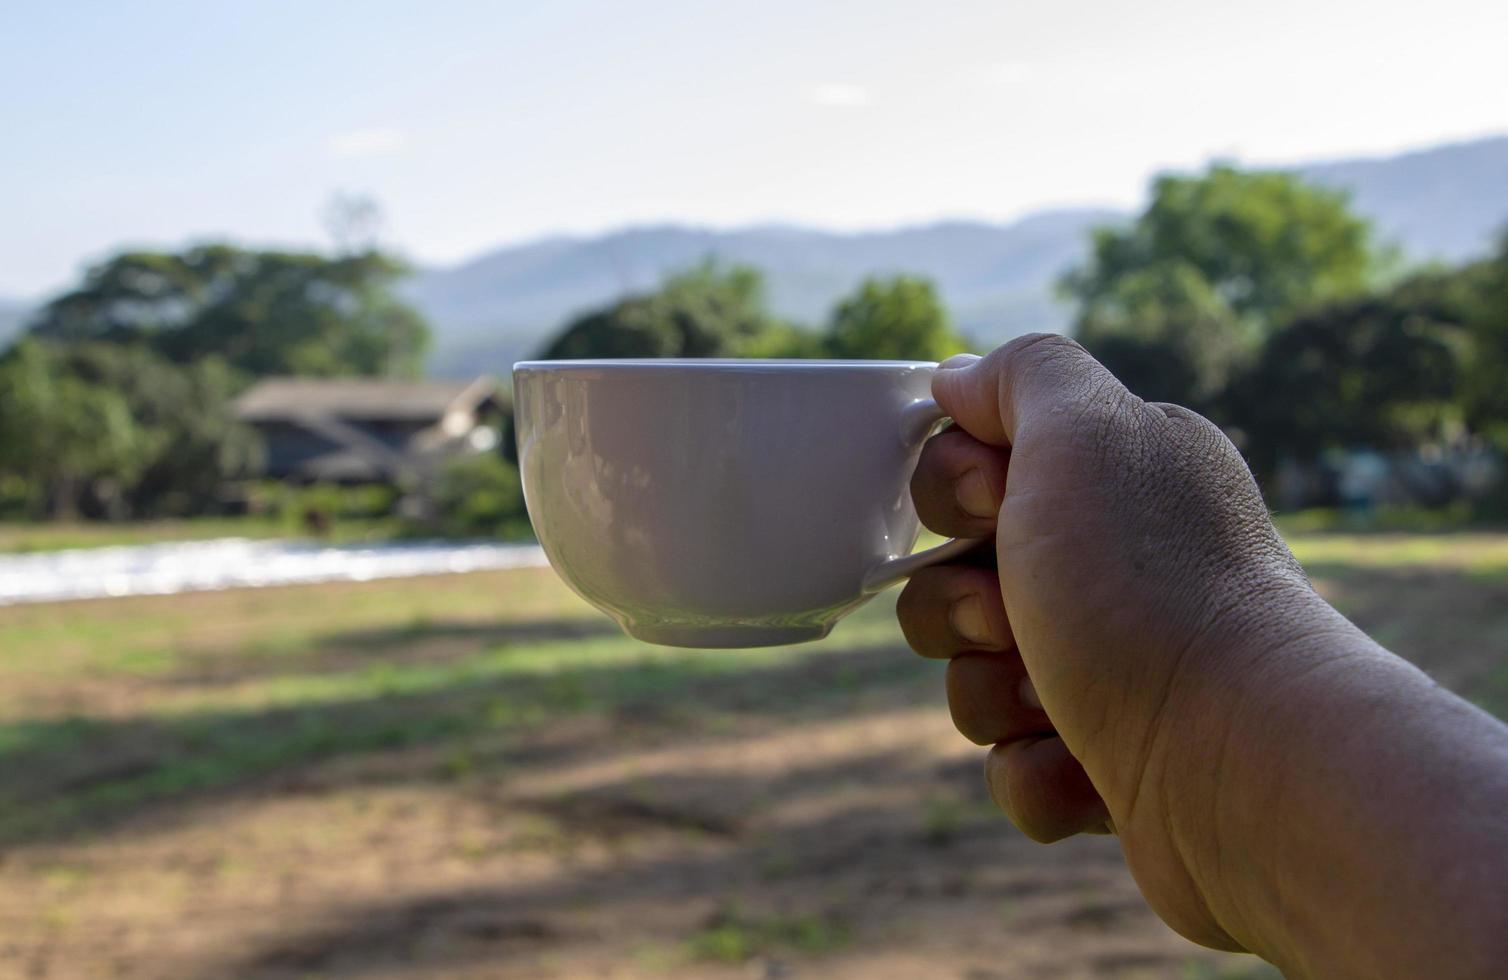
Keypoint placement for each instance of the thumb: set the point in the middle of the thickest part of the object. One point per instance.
(993, 397)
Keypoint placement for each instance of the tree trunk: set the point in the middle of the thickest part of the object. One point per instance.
(63, 505)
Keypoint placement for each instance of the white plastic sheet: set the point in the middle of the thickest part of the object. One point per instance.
(226, 563)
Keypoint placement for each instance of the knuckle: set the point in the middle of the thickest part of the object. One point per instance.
(1025, 350)
(1040, 342)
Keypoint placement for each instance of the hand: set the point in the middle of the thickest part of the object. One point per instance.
(1138, 583)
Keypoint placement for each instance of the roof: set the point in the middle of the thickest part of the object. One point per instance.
(277, 399)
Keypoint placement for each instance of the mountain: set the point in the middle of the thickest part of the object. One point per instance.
(1446, 202)
(994, 278)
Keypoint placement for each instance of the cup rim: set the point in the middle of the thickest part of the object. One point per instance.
(718, 363)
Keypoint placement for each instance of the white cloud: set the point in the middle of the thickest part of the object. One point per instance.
(366, 143)
(838, 95)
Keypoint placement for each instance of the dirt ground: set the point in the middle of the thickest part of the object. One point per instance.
(391, 780)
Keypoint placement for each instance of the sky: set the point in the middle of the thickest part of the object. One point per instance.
(478, 124)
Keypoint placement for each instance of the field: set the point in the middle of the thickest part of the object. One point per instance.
(23, 537)
(477, 776)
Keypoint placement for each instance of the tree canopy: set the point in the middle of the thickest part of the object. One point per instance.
(113, 430)
(1261, 302)
(707, 311)
(1267, 243)
(263, 312)
(1176, 301)
(716, 311)
(898, 318)
(1482, 291)
(1168, 334)
(1381, 371)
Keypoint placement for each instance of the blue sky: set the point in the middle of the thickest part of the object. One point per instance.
(475, 124)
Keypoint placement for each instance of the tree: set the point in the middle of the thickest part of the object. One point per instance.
(1168, 334)
(707, 311)
(264, 312)
(898, 318)
(1382, 372)
(112, 430)
(1267, 242)
(1181, 297)
(60, 434)
(1483, 289)
(352, 221)
(192, 440)
(481, 496)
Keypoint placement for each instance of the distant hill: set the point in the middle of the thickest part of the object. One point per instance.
(1447, 202)
(1444, 202)
(495, 309)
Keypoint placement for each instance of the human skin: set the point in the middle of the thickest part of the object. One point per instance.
(1145, 656)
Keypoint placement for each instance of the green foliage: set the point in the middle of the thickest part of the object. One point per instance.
(481, 496)
(1254, 298)
(1379, 372)
(786, 341)
(263, 312)
(1483, 291)
(1177, 301)
(114, 430)
(711, 311)
(330, 509)
(119, 403)
(1265, 241)
(1168, 334)
(184, 413)
(62, 436)
(707, 311)
(899, 318)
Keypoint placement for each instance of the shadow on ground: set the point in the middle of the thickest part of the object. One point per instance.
(76, 776)
(872, 873)
(417, 643)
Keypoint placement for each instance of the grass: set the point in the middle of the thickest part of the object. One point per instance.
(734, 936)
(18, 537)
(1201, 970)
(372, 745)
(1399, 519)
(231, 686)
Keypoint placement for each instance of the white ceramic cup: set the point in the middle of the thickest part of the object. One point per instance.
(725, 503)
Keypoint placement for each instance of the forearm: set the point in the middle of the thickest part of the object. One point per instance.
(1360, 817)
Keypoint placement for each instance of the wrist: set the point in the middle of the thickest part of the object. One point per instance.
(1287, 777)
(1231, 723)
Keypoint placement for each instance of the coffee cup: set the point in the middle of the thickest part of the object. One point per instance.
(725, 503)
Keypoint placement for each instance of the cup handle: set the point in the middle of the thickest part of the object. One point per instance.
(918, 420)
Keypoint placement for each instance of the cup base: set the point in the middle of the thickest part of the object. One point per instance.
(726, 637)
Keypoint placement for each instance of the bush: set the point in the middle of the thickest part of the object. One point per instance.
(481, 496)
(318, 507)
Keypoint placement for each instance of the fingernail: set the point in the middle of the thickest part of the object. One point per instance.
(958, 361)
(968, 620)
(1028, 692)
(975, 496)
